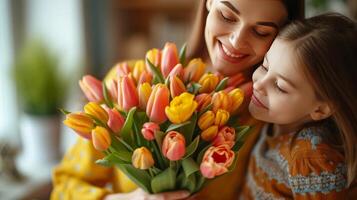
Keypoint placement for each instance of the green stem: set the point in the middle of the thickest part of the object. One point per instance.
(125, 144)
(158, 155)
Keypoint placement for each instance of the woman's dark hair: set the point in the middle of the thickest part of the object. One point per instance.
(326, 49)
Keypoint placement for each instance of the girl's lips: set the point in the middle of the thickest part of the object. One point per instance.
(229, 56)
(258, 103)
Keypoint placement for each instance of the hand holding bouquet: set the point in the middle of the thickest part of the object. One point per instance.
(166, 124)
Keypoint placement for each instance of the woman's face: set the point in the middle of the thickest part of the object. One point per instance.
(239, 32)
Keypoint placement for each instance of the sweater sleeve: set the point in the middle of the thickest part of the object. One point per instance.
(78, 177)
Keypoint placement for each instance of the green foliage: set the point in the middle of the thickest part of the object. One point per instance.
(40, 88)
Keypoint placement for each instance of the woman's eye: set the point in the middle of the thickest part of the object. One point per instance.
(260, 34)
(227, 19)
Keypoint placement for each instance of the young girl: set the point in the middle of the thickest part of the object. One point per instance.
(306, 90)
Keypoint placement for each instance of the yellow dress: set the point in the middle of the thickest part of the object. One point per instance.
(78, 177)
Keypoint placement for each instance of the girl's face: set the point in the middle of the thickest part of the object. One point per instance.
(238, 33)
(282, 94)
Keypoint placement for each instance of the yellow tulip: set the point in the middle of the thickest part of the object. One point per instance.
(181, 108)
(101, 138)
(210, 133)
(142, 158)
(206, 120)
(96, 111)
(144, 91)
(208, 83)
(154, 56)
(139, 68)
(237, 96)
(80, 123)
(222, 117)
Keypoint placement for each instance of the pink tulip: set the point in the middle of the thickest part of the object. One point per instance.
(127, 93)
(113, 89)
(226, 135)
(177, 71)
(116, 120)
(149, 129)
(158, 100)
(123, 69)
(169, 58)
(173, 146)
(92, 88)
(216, 161)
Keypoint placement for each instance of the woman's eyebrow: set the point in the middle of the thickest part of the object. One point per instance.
(229, 5)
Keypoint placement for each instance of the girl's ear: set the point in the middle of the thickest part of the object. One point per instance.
(322, 111)
(209, 4)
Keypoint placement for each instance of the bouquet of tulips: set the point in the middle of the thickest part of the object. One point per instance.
(163, 122)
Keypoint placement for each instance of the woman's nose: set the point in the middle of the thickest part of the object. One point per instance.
(238, 38)
(260, 85)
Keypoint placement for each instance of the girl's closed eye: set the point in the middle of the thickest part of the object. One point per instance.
(279, 88)
(227, 17)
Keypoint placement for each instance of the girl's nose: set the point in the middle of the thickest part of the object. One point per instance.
(260, 86)
(239, 37)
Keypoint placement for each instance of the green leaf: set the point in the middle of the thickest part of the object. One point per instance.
(165, 181)
(123, 155)
(155, 70)
(189, 166)
(183, 54)
(107, 100)
(117, 145)
(159, 137)
(187, 183)
(65, 112)
(176, 126)
(202, 153)
(200, 181)
(189, 129)
(126, 131)
(190, 149)
(222, 84)
(193, 88)
(110, 160)
(140, 177)
(242, 133)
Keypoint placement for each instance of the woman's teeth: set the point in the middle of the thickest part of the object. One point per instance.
(231, 54)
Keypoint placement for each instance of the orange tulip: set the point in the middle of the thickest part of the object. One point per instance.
(177, 71)
(142, 158)
(81, 123)
(206, 120)
(145, 77)
(173, 146)
(210, 133)
(158, 100)
(116, 120)
(127, 93)
(101, 138)
(222, 117)
(176, 86)
(194, 70)
(149, 129)
(92, 88)
(203, 101)
(236, 80)
(221, 100)
(169, 58)
(237, 96)
(226, 135)
(216, 161)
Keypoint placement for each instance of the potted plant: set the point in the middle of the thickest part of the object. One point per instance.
(40, 90)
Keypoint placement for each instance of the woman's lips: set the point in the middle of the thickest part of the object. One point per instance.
(258, 103)
(230, 56)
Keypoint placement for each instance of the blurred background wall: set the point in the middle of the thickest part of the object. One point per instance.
(88, 36)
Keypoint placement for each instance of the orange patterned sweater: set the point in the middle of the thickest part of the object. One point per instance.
(307, 168)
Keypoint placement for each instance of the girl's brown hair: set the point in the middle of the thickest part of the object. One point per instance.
(196, 43)
(326, 49)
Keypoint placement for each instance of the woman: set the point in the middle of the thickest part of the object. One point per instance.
(233, 37)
